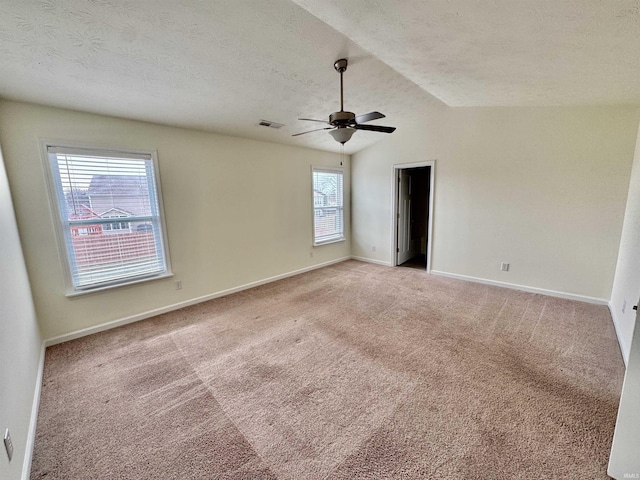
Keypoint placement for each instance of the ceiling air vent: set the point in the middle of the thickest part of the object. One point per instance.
(267, 123)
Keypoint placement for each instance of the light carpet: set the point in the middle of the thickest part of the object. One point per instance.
(353, 371)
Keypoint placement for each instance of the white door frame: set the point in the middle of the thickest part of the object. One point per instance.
(404, 241)
(394, 208)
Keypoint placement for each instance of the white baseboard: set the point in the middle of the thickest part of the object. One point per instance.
(524, 288)
(371, 260)
(176, 306)
(623, 347)
(33, 422)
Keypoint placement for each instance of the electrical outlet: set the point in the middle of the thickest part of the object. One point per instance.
(373, 248)
(504, 267)
(310, 254)
(624, 305)
(8, 445)
(178, 284)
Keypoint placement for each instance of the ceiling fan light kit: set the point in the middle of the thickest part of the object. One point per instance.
(342, 134)
(344, 124)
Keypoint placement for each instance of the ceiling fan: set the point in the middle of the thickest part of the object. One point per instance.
(344, 124)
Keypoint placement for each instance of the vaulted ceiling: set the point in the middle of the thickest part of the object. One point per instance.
(224, 65)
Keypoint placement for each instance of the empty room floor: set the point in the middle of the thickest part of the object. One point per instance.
(352, 371)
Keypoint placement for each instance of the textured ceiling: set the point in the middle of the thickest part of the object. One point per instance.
(213, 65)
(501, 52)
(224, 65)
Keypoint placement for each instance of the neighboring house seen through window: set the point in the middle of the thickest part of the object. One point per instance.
(328, 201)
(110, 216)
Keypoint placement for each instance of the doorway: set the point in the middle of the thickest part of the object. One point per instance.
(413, 214)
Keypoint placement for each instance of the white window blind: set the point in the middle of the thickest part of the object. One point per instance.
(110, 216)
(328, 201)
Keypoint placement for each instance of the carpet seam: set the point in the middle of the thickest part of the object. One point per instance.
(382, 425)
(235, 425)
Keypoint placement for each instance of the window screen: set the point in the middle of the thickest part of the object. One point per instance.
(328, 200)
(110, 216)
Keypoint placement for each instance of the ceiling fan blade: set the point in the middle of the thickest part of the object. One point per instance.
(375, 128)
(367, 117)
(313, 120)
(317, 129)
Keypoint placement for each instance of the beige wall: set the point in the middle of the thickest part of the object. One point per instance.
(20, 341)
(541, 188)
(237, 211)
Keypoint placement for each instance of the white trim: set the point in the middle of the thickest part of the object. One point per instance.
(95, 152)
(84, 293)
(158, 311)
(330, 240)
(371, 260)
(33, 421)
(55, 213)
(394, 207)
(326, 169)
(614, 319)
(429, 163)
(336, 238)
(524, 288)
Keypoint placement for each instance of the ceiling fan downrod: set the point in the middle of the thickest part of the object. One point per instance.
(341, 67)
(341, 119)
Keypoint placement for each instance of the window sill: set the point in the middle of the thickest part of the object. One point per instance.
(81, 293)
(326, 241)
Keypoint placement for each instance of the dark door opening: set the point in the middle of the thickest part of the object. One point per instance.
(413, 217)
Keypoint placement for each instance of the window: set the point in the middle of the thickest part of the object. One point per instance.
(98, 196)
(328, 200)
(115, 226)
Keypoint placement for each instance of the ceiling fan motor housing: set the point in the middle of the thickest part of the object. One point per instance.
(342, 118)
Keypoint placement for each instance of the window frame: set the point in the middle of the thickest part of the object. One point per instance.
(335, 238)
(59, 225)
